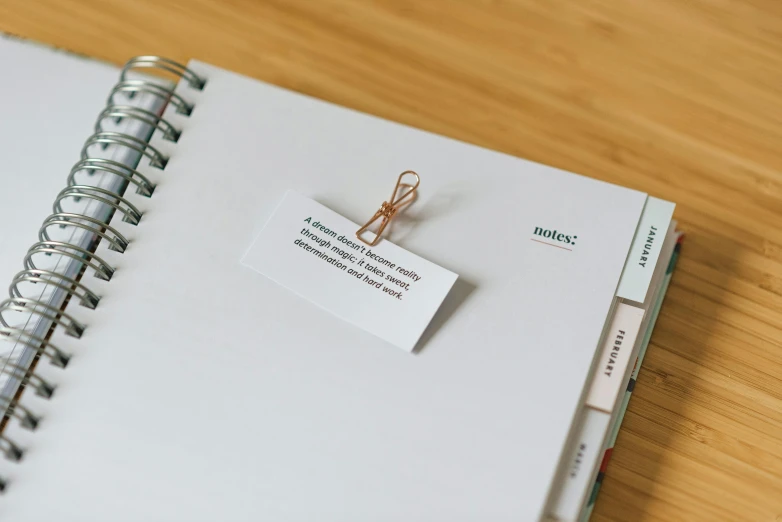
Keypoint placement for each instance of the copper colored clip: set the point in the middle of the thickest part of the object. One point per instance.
(388, 210)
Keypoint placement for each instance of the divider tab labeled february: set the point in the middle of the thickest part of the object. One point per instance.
(385, 289)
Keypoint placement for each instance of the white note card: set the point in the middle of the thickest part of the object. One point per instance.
(384, 289)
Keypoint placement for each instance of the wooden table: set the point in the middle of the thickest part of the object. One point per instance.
(678, 98)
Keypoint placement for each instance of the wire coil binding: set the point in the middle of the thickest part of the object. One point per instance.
(79, 188)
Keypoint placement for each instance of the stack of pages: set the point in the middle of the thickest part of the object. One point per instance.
(225, 348)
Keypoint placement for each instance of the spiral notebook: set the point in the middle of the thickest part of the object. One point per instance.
(173, 354)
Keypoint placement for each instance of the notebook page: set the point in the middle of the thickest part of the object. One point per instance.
(203, 390)
(52, 82)
(48, 101)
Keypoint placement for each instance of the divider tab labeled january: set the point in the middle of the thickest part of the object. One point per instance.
(645, 250)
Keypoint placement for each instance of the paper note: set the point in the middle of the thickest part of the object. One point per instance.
(385, 289)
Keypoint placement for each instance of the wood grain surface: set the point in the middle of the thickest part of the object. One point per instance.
(678, 98)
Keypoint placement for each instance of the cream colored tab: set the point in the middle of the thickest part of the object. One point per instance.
(614, 357)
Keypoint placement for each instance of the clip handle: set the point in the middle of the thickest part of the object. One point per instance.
(397, 203)
(378, 215)
(388, 210)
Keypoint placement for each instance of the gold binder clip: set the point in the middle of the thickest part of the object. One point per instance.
(388, 210)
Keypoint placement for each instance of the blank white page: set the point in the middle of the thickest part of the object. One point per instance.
(202, 390)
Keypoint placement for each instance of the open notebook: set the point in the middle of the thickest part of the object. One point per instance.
(205, 379)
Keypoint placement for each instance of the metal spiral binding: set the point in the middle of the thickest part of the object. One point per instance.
(65, 219)
(11, 451)
(42, 387)
(44, 347)
(130, 213)
(78, 188)
(25, 304)
(142, 115)
(86, 296)
(137, 86)
(158, 62)
(102, 269)
(156, 159)
(90, 165)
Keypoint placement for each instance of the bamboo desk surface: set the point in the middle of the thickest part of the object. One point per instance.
(681, 99)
